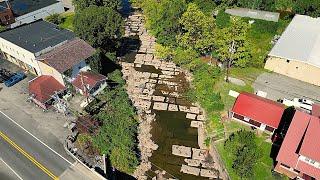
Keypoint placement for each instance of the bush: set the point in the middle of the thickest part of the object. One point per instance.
(244, 150)
(222, 19)
(55, 19)
(261, 26)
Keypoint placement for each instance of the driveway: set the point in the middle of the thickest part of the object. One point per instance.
(278, 86)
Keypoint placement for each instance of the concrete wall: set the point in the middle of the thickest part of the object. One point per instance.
(48, 70)
(38, 14)
(18, 53)
(294, 69)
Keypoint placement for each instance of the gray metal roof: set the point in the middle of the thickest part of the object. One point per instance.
(253, 13)
(37, 36)
(300, 41)
(21, 7)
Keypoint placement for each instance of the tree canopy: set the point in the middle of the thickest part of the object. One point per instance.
(163, 18)
(100, 26)
(243, 147)
(82, 4)
(231, 42)
(197, 30)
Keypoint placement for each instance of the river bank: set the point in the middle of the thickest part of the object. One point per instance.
(167, 120)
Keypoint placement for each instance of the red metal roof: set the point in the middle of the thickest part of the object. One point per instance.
(304, 130)
(259, 109)
(43, 87)
(88, 79)
(316, 110)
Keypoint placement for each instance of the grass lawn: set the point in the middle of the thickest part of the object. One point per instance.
(67, 20)
(264, 165)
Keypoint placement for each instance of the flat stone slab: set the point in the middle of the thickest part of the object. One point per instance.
(236, 81)
(208, 173)
(160, 106)
(173, 107)
(194, 110)
(200, 118)
(196, 124)
(199, 154)
(190, 170)
(191, 116)
(158, 98)
(181, 151)
(192, 162)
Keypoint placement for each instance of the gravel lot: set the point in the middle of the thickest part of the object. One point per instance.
(278, 86)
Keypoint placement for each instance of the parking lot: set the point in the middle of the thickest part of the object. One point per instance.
(47, 126)
(278, 87)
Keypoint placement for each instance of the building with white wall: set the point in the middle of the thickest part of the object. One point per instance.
(45, 49)
(27, 11)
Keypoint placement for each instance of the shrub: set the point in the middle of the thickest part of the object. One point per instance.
(223, 19)
(55, 19)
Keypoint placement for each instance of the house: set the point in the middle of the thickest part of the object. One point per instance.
(257, 111)
(27, 11)
(299, 155)
(43, 48)
(6, 14)
(297, 52)
(254, 14)
(42, 90)
(89, 83)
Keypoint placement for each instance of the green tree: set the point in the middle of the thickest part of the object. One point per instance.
(95, 61)
(253, 4)
(307, 7)
(284, 5)
(100, 26)
(231, 44)
(82, 4)
(245, 153)
(163, 19)
(197, 30)
(2, 28)
(54, 18)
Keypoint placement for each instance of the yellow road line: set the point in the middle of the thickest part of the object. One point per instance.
(32, 159)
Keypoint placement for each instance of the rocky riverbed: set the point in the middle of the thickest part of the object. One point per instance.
(156, 87)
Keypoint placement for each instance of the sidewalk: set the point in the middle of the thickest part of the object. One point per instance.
(79, 172)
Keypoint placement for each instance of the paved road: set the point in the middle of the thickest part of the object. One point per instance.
(28, 157)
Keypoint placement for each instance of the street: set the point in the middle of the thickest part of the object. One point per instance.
(26, 155)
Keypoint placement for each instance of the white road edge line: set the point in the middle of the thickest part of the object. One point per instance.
(11, 169)
(35, 137)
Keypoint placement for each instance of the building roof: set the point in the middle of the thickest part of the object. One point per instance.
(37, 36)
(21, 7)
(88, 79)
(301, 139)
(259, 109)
(71, 53)
(43, 87)
(300, 41)
(253, 13)
(315, 110)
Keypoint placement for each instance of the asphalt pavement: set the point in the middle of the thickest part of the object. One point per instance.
(27, 156)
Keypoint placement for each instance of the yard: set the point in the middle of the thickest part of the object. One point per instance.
(264, 165)
(67, 21)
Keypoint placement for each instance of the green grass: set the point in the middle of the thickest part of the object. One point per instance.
(264, 165)
(67, 21)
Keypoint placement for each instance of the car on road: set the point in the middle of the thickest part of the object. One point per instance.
(15, 78)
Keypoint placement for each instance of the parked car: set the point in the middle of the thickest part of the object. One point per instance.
(15, 78)
(4, 75)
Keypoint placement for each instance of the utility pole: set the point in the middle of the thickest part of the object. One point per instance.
(85, 91)
(232, 50)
